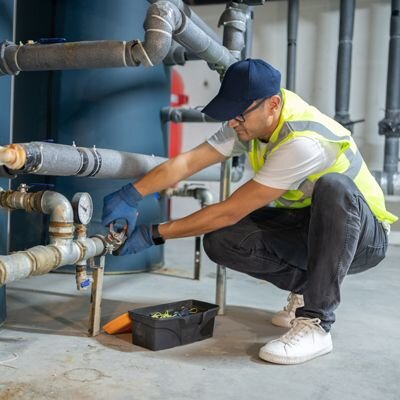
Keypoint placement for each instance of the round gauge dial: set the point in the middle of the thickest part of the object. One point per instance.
(83, 208)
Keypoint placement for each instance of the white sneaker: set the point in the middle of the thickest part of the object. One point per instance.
(283, 317)
(304, 341)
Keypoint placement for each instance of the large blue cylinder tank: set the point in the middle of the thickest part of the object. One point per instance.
(6, 18)
(107, 108)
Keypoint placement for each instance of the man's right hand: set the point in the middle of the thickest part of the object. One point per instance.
(122, 204)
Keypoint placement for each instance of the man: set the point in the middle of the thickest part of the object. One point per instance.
(311, 214)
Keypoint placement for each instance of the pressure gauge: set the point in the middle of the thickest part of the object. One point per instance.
(83, 208)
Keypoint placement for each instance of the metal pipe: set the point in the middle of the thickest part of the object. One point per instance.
(390, 125)
(183, 115)
(164, 22)
(62, 250)
(293, 20)
(178, 55)
(248, 34)
(40, 260)
(343, 71)
(42, 158)
(234, 20)
(194, 17)
(63, 56)
(225, 190)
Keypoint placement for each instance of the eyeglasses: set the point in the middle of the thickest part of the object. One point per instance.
(240, 117)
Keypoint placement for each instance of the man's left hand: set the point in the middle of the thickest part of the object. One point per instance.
(138, 241)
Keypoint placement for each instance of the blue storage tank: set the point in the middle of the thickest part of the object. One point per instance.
(6, 18)
(109, 108)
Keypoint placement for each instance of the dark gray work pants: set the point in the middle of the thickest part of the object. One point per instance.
(306, 251)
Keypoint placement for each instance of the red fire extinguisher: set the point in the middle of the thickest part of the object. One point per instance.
(178, 98)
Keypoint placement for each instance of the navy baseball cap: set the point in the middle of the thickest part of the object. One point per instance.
(244, 82)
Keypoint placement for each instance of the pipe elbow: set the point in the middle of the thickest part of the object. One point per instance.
(58, 207)
(162, 19)
(204, 196)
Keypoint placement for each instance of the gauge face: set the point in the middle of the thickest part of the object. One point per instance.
(83, 208)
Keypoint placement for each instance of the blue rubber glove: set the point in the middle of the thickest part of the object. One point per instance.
(138, 241)
(122, 204)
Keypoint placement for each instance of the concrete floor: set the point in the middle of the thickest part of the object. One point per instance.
(45, 353)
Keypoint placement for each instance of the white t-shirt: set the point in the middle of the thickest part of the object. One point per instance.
(286, 167)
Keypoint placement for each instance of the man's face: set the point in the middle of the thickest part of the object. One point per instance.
(258, 121)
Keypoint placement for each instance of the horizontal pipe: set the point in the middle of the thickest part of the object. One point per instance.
(41, 158)
(184, 115)
(40, 260)
(64, 56)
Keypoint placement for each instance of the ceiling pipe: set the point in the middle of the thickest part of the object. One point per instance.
(42, 158)
(293, 20)
(343, 71)
(389, 126)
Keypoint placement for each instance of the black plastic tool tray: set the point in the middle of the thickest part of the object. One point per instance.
(158, 334)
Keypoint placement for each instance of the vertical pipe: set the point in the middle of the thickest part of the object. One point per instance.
(197, 257)
(390, 125)
(225, 190)
(248, 35)
(343, 70)
(235, 21)
(293, 19)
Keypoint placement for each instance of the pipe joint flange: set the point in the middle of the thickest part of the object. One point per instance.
(8, 59)
(82, 251)
(390, 127)
(61, 230)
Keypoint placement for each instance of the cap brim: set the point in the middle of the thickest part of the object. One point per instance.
(222, 109)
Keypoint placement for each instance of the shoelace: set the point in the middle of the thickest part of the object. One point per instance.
(300, 326)
(293, 300)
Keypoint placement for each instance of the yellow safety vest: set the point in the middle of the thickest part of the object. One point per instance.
(299, 119)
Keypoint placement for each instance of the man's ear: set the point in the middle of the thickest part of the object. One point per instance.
(274, 102)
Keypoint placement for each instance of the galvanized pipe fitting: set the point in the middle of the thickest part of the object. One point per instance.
(40, 260)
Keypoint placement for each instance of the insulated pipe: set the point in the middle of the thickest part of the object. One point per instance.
(194, 17)
(248, 35)
(234, 19)
(164, 22)
(62, 56)
(183, 115)
(178, 55)
(343, 72)
(390, 125)
(41, 158)
(293, 20)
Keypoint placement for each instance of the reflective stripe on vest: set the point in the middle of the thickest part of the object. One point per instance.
(306, 187)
